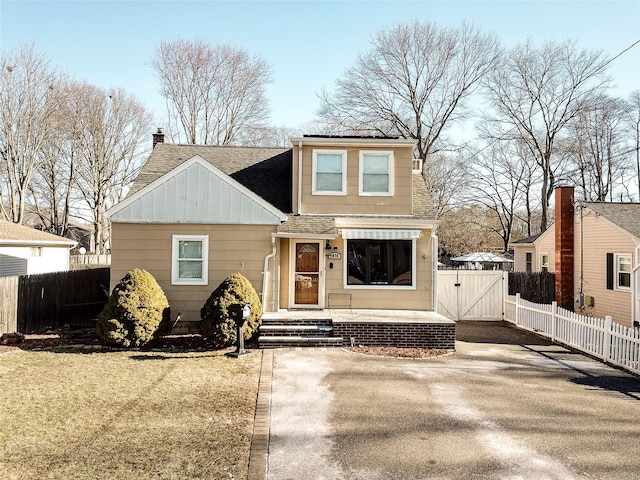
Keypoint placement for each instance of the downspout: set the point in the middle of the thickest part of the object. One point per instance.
(635, 321)
(434, 271)
(299, 177)
(265, 270)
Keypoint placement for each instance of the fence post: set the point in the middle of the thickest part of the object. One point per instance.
(554, 316)
(607, 337)
(517, 315)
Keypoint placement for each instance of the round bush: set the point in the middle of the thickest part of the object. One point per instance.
(216, 324)
(137, 311)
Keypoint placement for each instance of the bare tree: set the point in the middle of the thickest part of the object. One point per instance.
(28, 100)
(499, 176)
(598, 148)
(413, 83)
(212, 92)
(536, 92)
(110, 139)
(446, 176)
(634, 121)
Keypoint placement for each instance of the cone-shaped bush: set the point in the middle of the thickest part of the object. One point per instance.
(137, 311)
(216, 323)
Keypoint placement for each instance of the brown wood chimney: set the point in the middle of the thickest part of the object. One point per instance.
(158, 137)
(564, 247)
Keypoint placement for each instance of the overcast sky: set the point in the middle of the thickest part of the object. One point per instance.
(309, 44)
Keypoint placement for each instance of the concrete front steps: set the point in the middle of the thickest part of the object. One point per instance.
(293, 332)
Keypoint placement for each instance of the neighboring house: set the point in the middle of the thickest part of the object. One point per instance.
(483, 261)
(606, 254)
(535, 253)
(26, 251)
(333, 222)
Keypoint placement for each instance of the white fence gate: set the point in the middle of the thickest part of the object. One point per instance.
(471, 294)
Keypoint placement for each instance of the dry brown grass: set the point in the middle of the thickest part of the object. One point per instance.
(126, 415)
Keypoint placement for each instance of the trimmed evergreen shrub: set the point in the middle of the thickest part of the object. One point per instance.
(137, 311)
(216, 324)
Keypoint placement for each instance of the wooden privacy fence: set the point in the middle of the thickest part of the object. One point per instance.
(9, 304)
(539, 287)
(52, 300)
(609, 341)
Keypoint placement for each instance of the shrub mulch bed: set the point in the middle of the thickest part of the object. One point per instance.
(87, 339)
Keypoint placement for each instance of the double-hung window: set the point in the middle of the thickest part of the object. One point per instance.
(329, 172)
(544, 262)
(189, 262)
(528, 261)
(376, 173)
(623, 271)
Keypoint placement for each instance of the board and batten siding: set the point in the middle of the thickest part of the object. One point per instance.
(196, 193)
(599, 238)
(232, 248)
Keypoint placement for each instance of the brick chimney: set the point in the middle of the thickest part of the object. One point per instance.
(564, 247)
(158, 137)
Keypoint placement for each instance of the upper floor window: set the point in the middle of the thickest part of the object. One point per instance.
(329, 172)
(189, 262)
(376, 173)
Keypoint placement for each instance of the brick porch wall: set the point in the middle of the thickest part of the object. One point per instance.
(403, 335)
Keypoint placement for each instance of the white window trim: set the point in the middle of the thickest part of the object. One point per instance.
(540, 257)
(377, 153)
(314, 190)
(175, 241)
(414, 273)
(616, 265)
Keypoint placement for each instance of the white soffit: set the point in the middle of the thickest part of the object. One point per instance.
(196, 192)
(377, 234)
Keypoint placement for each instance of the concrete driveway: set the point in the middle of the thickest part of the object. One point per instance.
(506, 405)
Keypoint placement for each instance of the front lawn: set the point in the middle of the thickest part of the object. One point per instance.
(126, 415)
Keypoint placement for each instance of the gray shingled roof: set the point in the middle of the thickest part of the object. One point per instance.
(316, 224)
(12, 233)
(625, 215)
(530, 239)
(265, 171)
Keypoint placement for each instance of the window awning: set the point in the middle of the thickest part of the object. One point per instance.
(377, 234)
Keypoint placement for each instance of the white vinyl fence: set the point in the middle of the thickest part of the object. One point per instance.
(613, 343)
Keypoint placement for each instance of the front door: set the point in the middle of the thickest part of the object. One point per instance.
(307, 275)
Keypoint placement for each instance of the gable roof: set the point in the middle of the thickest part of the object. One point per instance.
(527, 240)
(196, 192)
(15, 234)
(624, 215)
(265, 171)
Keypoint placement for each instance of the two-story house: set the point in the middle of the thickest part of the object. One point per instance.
(333, 222)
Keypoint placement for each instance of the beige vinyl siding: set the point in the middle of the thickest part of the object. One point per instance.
(399, 203)
(232, 248)
(602, 237)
